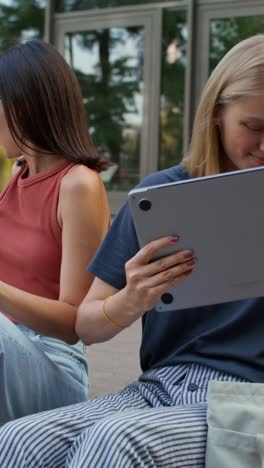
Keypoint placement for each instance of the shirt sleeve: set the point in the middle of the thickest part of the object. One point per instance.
(119, 245)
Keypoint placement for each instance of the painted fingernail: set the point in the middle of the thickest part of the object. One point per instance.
(174, 239)
(191, 262)
(188, 254)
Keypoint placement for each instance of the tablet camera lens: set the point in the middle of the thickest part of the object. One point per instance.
(144, 204)
(167, 298)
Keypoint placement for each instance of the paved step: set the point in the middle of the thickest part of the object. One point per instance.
(115, 363)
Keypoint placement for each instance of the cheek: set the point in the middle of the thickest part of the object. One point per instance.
(241, 143)
(10, 149)
(238, 135)
(7, 142)
(5, 137)
(246, 140)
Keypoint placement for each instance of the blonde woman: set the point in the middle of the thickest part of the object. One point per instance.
(160, 420)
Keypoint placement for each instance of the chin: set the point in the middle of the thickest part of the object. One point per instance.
(247, 163)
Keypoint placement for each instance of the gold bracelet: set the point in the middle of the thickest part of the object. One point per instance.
(109, 318)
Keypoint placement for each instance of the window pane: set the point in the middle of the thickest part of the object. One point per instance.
(172, 86)
(75, 5)
(226, 32)
(109, 65)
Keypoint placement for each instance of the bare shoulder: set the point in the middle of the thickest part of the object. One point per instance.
(81, 178)
(84, 189)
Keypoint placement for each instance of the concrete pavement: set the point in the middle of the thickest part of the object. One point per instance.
(115, 363)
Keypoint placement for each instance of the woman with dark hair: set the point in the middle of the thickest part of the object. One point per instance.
(54, 214)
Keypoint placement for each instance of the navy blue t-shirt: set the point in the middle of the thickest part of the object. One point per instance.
(227, 337)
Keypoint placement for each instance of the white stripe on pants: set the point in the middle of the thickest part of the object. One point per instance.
(158, 421)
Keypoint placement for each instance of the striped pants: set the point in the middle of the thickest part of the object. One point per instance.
(159, 421)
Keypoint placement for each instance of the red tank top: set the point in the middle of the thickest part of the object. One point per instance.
(30, 236)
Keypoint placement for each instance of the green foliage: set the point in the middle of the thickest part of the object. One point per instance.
(109, 89)
(20, 19)
(5, 168)
(226, 32)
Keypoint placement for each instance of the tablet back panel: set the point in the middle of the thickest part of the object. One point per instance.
(220, 217)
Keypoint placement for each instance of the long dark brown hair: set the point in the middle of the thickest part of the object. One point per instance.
(43, 104)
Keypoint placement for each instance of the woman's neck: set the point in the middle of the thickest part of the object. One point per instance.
(41, 162)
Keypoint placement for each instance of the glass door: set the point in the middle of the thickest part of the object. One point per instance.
(220, 25)
(118, 68)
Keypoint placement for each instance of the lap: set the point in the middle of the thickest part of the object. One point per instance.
(76, 434)
(37, 440)
(29, 380)
(158, 437)
(160, 418)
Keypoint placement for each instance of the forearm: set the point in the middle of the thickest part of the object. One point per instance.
(46, 316)
(92, 326)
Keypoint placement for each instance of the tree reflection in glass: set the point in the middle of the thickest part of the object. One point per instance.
(109, 66)
(226, 32)
(20, 20)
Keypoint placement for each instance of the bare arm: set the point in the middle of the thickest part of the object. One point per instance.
(84, 216)
(146, 282)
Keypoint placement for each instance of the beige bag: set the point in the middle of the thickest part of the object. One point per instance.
(235, 425)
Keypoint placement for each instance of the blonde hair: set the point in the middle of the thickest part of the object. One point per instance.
(239, 73)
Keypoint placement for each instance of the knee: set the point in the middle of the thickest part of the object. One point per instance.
(13, 444)
(111, 443)
(112, 432)
(102, 445)
(23, 443)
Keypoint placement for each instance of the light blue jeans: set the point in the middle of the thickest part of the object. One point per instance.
(37, 372)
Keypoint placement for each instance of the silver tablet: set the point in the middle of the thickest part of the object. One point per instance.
(221, 218)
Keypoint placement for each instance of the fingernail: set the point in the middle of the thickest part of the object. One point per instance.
(174, 239)
(188, 254)
(191, 262)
